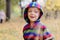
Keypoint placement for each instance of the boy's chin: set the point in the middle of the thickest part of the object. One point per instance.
(32, 20)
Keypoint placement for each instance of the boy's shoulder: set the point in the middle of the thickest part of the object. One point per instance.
(26, 27)
(43, 26)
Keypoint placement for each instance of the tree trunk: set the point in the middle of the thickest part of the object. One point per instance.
(34, 0)
(8, 9)
(56, 14)
(21, 8)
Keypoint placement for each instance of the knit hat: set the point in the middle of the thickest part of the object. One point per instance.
(32, 4)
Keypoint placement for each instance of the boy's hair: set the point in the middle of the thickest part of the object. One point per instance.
(32, 4)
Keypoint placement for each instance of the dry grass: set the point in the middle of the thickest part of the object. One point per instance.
(12, 30)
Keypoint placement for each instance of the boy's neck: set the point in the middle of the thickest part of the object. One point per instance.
(31, 24)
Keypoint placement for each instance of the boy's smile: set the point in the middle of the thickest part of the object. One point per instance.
(33, 14)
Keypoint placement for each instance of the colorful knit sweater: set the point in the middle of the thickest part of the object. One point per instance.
(37, 32)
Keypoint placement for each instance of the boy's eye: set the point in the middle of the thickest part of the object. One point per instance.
(36, 11)
(29, 11)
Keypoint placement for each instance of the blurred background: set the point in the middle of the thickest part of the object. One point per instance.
(12, 21)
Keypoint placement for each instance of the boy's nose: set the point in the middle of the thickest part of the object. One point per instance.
(32, 12)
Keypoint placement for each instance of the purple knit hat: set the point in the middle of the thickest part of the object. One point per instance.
(32, 4)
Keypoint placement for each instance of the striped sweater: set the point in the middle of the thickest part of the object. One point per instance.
(37, 32)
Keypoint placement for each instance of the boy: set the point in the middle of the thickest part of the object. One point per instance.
(34, 30)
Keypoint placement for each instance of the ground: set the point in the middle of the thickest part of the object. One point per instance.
(12, 30)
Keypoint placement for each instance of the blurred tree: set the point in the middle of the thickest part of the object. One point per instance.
(34, 0)
(50, 4)
(56, 14)
(8, 9)
(47, 16)
(2, 4)
(23, 4)
(15, 8)
(21, 8)
(57, 3)
(14, 2)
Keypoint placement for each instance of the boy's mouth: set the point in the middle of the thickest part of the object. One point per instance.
(32, 16)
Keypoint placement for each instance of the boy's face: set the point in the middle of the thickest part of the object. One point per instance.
(33, 14)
